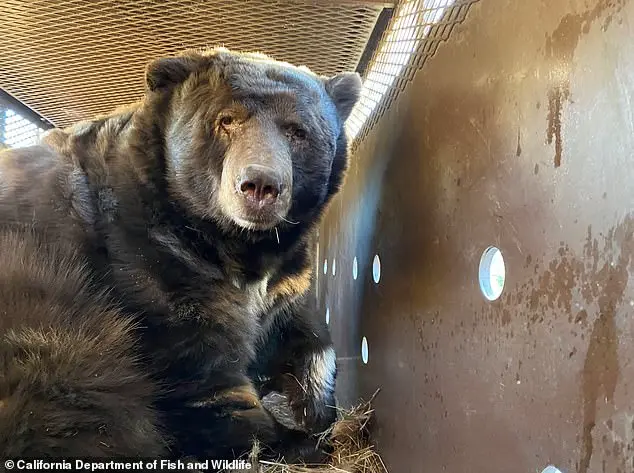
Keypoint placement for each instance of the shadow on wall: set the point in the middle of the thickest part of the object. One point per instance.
(408, 193)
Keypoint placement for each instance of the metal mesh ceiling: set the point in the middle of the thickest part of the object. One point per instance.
(72, 60)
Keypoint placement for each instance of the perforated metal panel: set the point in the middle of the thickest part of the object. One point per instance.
(412, 37)
(17, 129)
(71, 60)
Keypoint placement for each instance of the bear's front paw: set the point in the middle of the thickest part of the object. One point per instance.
(312, 396)
(300, 448)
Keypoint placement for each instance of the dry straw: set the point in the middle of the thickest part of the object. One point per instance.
(349, 439)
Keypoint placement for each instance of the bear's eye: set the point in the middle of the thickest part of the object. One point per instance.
(300, 133)
(296, 132)
(226, 120)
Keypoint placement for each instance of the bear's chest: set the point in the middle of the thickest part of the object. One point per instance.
(253, 295)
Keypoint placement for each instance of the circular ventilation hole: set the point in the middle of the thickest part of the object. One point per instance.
(325, 266)
(334, 266)
(328, 315)
(551, 469)
(364, 351)
(492, 273)
(376, 269)
(355, 268)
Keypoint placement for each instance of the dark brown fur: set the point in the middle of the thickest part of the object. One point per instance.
(70, 383)
(143, 200)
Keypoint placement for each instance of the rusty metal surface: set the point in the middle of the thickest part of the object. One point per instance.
(518, 133)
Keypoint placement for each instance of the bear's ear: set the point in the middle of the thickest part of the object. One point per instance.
(169, 71)
(344, 89)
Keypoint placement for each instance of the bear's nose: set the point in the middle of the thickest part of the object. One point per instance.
(259, 184)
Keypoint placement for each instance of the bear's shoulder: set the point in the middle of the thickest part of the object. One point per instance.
(43, 187)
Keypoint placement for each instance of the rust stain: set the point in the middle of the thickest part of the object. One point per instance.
(560, 49)
(600, 374)
(618, 446)
(600, 276)
(518, 152)
(506, 317)
(601, 367)
(554, 288)
(582, 318)
(556, 97)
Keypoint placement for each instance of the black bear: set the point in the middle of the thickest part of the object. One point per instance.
(156, 264)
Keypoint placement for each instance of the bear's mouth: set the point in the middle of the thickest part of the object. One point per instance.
(257, 223)
(260, 219)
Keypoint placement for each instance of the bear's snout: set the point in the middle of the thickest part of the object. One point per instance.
(258, 196)
(260, 186)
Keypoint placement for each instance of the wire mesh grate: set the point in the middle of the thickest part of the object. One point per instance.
(17, 131)
(415, 31)
(74, 59)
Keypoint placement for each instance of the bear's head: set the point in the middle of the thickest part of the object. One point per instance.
(249, 142)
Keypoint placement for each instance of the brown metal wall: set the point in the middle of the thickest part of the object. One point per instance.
(518, 133)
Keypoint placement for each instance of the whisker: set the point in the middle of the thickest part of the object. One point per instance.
(288, 221)
(277, 235)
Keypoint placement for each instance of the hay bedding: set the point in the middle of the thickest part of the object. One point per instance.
(352, 451)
